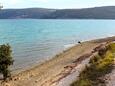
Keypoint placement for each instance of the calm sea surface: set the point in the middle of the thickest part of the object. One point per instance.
(34, 41)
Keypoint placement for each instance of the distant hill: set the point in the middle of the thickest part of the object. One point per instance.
(106, 12)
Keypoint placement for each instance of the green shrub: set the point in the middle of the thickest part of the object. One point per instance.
(100, 65)
(5, 60)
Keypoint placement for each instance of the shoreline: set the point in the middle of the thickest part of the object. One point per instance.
(48, 70)
(66, 48)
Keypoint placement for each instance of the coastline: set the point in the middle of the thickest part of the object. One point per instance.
(47, 72)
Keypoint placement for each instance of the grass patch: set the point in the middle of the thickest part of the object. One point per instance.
(99, 66)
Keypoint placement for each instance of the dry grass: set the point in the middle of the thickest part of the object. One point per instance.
(99, 66)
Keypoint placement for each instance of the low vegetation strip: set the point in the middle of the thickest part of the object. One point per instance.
(99, 66)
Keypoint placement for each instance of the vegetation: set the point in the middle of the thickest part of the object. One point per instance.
(5, 60)
(100, 65)
(106, 12)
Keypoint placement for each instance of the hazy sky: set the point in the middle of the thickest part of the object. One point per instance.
(56, 3)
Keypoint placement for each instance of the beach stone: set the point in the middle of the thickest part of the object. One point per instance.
(16, 78)
(6, 84)
(36, 81)
(31, 75)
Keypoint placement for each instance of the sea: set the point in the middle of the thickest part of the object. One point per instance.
(34, 41)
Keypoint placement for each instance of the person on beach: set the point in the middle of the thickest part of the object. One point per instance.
(79, 42)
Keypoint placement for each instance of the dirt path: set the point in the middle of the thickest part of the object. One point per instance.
(73, 75)
(110, 78)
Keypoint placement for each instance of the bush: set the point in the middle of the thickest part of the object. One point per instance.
(100, 65)
(5, 60)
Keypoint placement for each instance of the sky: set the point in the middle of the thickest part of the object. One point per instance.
(60, 4)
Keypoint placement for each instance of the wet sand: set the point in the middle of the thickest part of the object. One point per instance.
(57, 68)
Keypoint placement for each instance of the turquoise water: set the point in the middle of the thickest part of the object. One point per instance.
(34, 41)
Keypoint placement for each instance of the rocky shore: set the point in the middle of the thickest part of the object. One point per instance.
(50, 73)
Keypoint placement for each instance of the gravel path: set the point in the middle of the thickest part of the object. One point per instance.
(110, 78)
(74, 74)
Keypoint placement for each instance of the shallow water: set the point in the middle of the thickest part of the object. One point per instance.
(34, 40)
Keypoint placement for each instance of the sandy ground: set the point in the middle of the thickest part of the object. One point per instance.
(73, 75)
(54, 70)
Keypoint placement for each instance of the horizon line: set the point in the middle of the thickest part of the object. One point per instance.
(60, 8)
